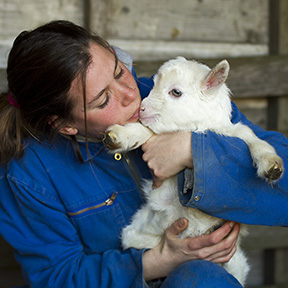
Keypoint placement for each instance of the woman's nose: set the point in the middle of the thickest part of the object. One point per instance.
(127, 95)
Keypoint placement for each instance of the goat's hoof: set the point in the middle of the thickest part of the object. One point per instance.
(274, 172)
(110, 140)
(215, 227)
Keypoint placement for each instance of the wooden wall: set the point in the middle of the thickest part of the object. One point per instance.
(153, 30)
(252, 35)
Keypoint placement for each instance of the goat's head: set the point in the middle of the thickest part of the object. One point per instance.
(185, 93)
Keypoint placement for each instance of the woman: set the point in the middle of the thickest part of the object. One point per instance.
(64, 198)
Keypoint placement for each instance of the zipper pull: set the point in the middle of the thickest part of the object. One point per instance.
(111, 200)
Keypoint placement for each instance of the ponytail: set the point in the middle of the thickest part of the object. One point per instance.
(11, 131)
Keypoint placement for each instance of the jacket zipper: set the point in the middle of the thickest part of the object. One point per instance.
(132, 170)
(108, 202)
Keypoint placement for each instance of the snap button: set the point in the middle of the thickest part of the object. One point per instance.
(196, 198)
(117, 156)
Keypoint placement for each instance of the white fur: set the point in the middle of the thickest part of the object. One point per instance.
(187, 96)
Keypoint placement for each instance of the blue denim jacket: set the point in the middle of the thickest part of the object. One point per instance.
(64, 218)
(225, 182)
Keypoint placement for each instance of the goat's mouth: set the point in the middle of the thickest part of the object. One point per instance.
(147, 119)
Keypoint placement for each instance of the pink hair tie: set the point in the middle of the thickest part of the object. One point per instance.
(12, 101)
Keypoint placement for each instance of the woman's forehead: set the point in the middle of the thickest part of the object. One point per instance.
(98, 73)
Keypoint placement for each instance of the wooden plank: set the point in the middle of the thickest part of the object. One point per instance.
(98, 16)
(283, 27)
(152, 50)
(254, 109)
(5, 47)
(186, 20)
(281, 262)
(282, 121)
(249, 77)
(3, 81)
(18, 15)
(274, 9)
(255, 260)
(87, 14)
(272, 113)
(284, 285)
(269, 266)
(263, 238)
(282, 124)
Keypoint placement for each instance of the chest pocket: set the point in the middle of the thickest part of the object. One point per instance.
(81, 211)
(99, 224)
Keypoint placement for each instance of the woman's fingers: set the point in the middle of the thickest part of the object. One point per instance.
(223, 258)
(210, 241)
(223, 250)
(218, 246)
(176, 228)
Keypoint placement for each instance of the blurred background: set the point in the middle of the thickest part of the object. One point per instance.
(251, 34)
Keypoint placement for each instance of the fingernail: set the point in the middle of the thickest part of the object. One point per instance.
(181, 222)
(232, 224)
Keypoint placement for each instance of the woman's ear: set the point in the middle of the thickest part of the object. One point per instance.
(68, 130)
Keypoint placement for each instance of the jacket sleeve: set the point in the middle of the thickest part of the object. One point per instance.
(225, 181)
(49, 248)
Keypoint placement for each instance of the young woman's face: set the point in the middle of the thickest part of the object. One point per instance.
(112, 95)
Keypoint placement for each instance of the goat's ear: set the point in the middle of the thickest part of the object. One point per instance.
(216, 76)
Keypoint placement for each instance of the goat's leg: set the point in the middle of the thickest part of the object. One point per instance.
(135, 238)
(128, 137)
(238, 266)
(269, 164)
(145, 230)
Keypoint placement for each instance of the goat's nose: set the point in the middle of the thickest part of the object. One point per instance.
(142, 109)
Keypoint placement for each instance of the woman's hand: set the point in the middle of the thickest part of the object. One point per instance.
(172, 251)
(168, 154)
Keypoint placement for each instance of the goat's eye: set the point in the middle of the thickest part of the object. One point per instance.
(175, 93)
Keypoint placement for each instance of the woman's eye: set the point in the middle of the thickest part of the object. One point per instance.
(120, 74)
(175, 93)
(105, 103)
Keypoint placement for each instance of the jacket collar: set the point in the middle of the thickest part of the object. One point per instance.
(93, 150)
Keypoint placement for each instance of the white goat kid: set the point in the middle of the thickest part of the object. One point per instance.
(187, 96)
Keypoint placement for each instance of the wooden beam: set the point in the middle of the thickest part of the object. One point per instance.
(282, 120)
(87, 14)
(99, 10)
(269, 266)
(153, 50)
(249, 77)
(273, 103)
(283, 27)
(274, 11)
(263, 238)
(281, 257)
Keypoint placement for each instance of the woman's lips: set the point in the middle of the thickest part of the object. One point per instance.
(135, 116)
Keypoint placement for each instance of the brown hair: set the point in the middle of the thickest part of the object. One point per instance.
(41, 67)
